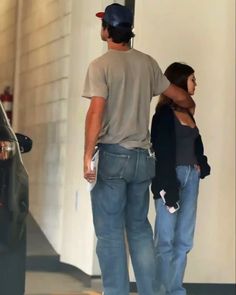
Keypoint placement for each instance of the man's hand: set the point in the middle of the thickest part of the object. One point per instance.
(89, 173)
(93, 125)
(179, 96)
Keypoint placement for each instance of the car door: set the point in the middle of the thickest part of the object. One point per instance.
(13, 208)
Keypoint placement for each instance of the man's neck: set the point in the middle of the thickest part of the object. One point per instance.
(118, 46)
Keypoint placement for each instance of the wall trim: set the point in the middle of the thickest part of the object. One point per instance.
(202, 288)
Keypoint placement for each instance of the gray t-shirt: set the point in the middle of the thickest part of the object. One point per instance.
(127, 80)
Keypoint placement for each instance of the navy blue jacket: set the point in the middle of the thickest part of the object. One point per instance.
(163, 140)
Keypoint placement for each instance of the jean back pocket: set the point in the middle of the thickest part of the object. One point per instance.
(112, 166)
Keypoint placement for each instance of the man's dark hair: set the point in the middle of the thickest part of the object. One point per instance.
(121, 34)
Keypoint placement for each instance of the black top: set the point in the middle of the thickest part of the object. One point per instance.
(185, 138)
(163, 138)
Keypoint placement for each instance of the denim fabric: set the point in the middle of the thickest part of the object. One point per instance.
(174, 234)
(120, 202)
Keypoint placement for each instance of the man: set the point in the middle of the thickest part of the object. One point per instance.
(120, 85)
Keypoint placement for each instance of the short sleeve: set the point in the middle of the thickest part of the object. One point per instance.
(161, 83)
(95, 82)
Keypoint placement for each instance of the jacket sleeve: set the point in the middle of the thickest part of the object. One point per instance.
(205, 168)
(164, 145)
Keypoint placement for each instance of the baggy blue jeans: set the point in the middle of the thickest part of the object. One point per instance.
(174, 234)
(120, 203)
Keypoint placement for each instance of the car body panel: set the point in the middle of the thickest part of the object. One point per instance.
(14, 206)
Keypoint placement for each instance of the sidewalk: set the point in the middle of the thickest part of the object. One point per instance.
(46, 275)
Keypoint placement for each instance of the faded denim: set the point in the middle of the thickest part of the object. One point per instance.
(120, 202)
(174, 234)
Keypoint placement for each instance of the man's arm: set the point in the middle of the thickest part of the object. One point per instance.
(179, 96)
(93, 125)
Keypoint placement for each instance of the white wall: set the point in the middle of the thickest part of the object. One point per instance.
(78, 234)
(56, 41)
(203, 35)
(41, 98)
(8, 9)
(78, 243)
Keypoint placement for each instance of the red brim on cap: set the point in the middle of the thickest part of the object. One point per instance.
(100, 14)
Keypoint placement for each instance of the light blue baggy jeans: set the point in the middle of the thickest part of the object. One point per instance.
(120, 202)
(174, 234)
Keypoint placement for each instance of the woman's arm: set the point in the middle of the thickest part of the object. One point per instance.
(163, 140)
(205, 168)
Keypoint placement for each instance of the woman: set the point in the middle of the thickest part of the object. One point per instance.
(180, 163)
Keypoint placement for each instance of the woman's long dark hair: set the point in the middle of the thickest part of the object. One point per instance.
(177, 73)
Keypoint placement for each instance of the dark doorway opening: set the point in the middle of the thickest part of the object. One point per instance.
(130, 4)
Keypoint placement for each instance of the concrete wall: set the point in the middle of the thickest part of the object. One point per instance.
(203, 35)
(78, 234)
(41, 98)
(78, 243)
(56, 41)
(8, 10)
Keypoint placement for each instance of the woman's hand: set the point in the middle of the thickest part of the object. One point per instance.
(197, 167)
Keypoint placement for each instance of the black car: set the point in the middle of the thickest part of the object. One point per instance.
(13, 208)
